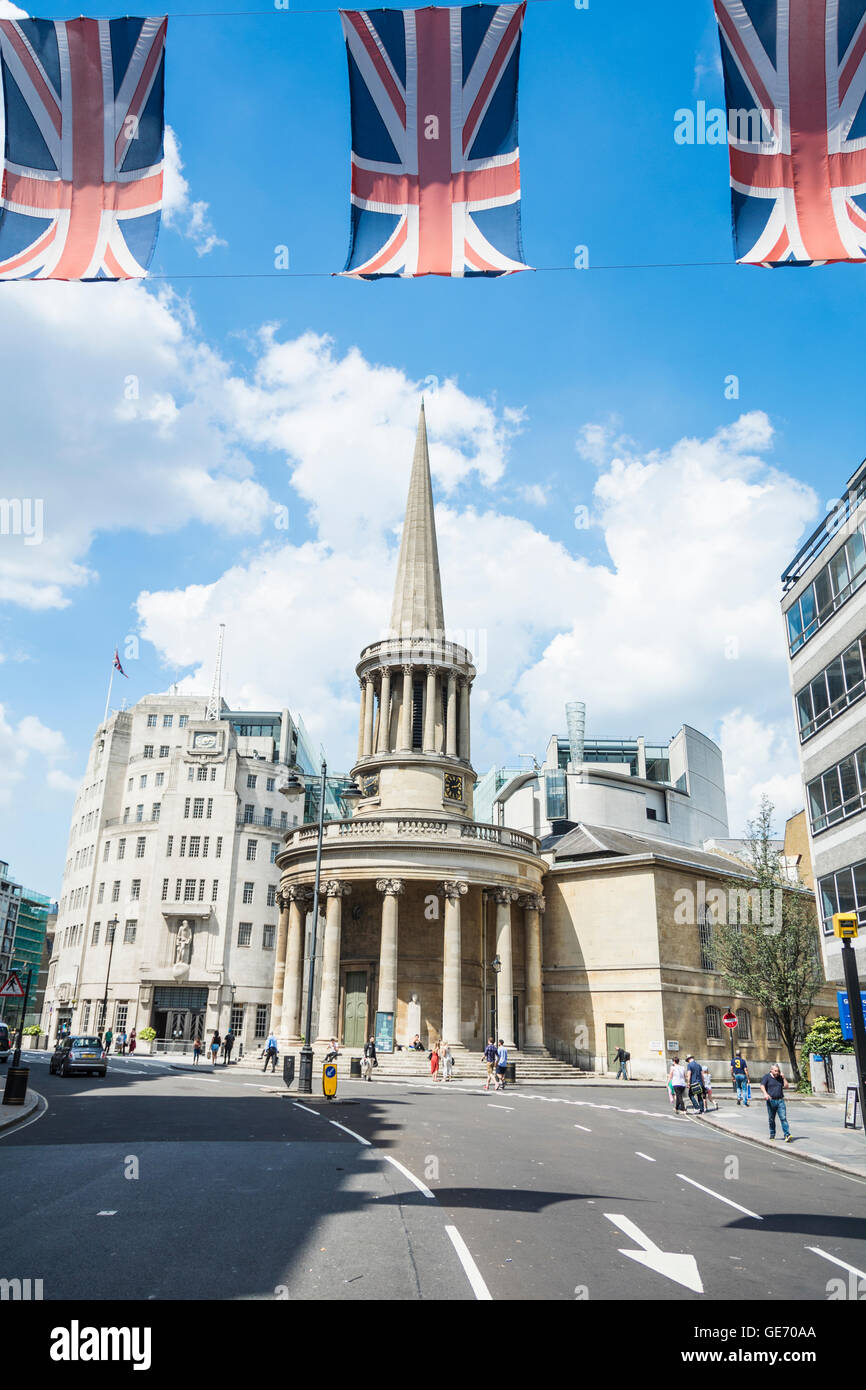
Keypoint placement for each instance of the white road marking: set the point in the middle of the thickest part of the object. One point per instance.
(816, 1250)
(711, 1193)
(360, 1138)
(492, 1106)
(106, 1213)
(411, 1176)
(646, 1156)
(683, 1269)
(298, 1106)
(473, 1273)
(41, 1109)
(585, 1127)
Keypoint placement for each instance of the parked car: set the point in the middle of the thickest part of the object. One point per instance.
(79, 1052)
(5, 1043)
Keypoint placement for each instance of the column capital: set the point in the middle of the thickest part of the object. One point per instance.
(389, 886)
(298, 892)
(452, 677)
(336, 888)
(407, 668)
(534, 902)
(504, 895)
(453, 888)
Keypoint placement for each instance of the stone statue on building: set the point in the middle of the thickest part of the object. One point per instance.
(183, 943)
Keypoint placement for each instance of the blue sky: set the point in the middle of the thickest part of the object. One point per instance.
(601, 388)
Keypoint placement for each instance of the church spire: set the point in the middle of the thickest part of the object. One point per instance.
(417, 607)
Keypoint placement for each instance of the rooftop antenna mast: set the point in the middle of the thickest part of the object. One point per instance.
(215, 701)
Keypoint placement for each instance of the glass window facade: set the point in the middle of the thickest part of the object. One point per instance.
(844, 891)
(831, 692)
(838, 793)
(831, 587)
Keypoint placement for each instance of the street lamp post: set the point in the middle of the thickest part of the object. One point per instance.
(111, 927)
(496, 966)
(293, 789)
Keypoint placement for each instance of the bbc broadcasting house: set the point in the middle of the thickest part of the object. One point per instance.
(168, 905)
(824, 606)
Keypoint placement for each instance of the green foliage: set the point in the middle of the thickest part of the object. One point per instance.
(824, 1037)
(32, 1030)
(147, 1034)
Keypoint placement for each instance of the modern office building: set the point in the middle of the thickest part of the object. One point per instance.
(33, 917)
(10, 906)
(168, 906)
(824, 607)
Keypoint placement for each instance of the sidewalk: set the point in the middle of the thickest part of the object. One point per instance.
(819, 1135)
(12, 1114)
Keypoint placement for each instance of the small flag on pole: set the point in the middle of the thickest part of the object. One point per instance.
(117, 665)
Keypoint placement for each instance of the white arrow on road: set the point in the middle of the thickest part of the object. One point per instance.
(683, 1269)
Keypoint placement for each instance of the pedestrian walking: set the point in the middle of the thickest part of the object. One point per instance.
(196, 1051)
(677, 1082)
(434, 1062)
(271, 1051)
(708, 1089)
(215, 1043)
(121, 1044)
(501, 1064)
(132, 1042)
(695, 1082)
(740, 1075)
(228, 1044)
(489, 1055)
(370, 1059)
(621, 1057)
(773, 1089)
(106, 1043)
(447, 1062)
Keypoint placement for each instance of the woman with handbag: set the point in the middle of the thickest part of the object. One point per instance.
(434, 1063)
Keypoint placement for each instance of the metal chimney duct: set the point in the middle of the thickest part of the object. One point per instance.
(575, 718)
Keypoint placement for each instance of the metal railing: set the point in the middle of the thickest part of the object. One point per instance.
(261, 824)
(822, 536)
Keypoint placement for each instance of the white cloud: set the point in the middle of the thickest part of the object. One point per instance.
(28, 752)
(761, 759)
(190, 219)
(535, 494)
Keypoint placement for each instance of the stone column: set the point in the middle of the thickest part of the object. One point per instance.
(430, 712)
(405, 740)
(362, 719)
(504, 897)
(452, 890)
(333, 891)
(385, 712)
(369, 703)
(389, 888)
(451, 719)
(463, 749)
(290, 1027)
(280, 962)
(533, 906)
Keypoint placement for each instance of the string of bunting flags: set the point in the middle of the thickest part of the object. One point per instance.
(435, 162)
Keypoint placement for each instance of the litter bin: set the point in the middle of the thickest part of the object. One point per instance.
(16, 1085)
(354, 1066)
(289, 1070)
(511, 1072)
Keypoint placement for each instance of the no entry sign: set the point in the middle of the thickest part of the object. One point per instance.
(729, 1019)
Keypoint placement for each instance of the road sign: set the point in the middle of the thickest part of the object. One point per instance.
(729, 1019)
(12, 987)
(329, 1079)
(844, 1006)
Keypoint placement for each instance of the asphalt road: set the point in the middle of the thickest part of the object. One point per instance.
(161, 1184)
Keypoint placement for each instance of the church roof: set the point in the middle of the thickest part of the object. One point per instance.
(417, 607)
(595, 842)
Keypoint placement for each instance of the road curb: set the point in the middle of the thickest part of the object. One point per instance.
(12, 1115)
(790, 1150)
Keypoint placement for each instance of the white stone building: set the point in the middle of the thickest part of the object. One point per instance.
(174, 835)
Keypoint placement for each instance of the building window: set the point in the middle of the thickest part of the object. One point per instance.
(832, 691)
(163, 750)
(178, 885)
(249, 812)
(251, 780)
(94, 935)
(194, 846)
(182, 846)
(160, 778)
(121, 848)
(245, 933)
(106, 852)
(275, 849)
(125, 814)
(100, 1016)
(142, 781)
(168, 845)
(155, 810)
(272, 895)
(115, 891)
(705, 937)
(164, 889)
(198, 808)
(284, 820)
(190, 772)
(139, 813)
(844, 891)
(214, 890)
(140, 843)
(167, 720)
(838, 793)
(268, 938)
(248, 892)
(100, 893)
(85, 1015)
(189, 890)
(268, 816)
(261, 1020)
(186, 805)
(270, 784)
(213, 774)
(129, 933)
(209, 807)
(219, 846)
(204, 844)
(148, 750)
(135, 890)
(182, 721)
(772, 1029)
(121, 1014)
(201, 884)
(744, 1025)
(110, 929)
(555, 795)
(151, 721)
(714, 1021)
(201, 774)
(237, 1020)
(831, 587)
(252, 846)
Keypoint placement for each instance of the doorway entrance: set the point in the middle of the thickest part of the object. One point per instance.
(615, 1040)
(355, 1010)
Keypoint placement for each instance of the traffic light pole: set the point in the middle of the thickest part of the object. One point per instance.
(858, 1027)
(16, 1055)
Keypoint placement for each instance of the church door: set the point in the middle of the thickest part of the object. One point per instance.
(355, 1017)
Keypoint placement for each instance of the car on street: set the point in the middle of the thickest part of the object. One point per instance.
(79, 1052)
(5, 1043)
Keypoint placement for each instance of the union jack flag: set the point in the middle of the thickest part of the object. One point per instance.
(117, 665)
(795, 81)
(82, 176)
(435, 163)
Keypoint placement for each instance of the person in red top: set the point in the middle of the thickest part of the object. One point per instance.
(434, 1062)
